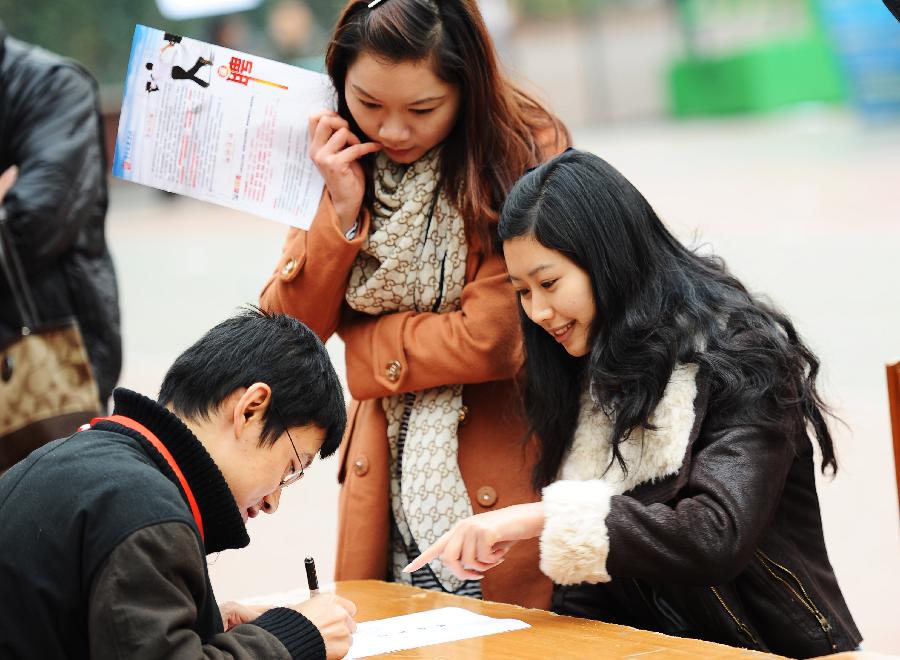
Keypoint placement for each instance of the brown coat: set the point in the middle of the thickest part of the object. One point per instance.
(479, 346)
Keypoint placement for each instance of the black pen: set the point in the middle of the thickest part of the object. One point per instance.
(311, 577)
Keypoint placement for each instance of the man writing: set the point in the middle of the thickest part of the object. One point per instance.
(105, 533)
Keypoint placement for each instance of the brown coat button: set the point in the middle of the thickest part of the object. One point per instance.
(289, 267)
(463, 415)
(392, 371)
(360, 466)
(487, 496)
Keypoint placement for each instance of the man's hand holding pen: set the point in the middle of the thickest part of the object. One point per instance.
(330, 613)
(333, 616)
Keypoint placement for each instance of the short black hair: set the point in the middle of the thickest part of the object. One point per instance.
(259, 347)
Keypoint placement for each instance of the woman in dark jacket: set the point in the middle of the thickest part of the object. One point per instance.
(50, 128)
(672, 409)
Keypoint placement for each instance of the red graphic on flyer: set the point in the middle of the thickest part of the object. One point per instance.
(237, 71)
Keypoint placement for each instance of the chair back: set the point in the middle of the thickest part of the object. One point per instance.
(893, 378)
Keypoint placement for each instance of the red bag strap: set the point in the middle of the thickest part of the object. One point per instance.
(166, 454)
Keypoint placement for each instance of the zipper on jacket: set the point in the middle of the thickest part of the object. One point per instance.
(804, 599)
(740, 624)
(637, 586)
(660, 608)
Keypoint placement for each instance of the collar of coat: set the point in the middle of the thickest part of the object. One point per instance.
(222, 522)
(575, 541)
(652, 456)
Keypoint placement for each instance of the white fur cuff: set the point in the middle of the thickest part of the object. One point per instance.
(574, 543)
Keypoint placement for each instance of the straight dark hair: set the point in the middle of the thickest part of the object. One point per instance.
(258, 347)
(492, 141)
(658, 304)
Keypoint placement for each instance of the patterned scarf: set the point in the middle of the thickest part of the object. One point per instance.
(415, 259)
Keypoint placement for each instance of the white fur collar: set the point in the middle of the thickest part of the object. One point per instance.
(649, 455)
(575, 540)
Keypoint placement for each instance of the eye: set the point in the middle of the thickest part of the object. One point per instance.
(369, 104)
(422, 111)
(523, 293)
(293, 476)
(547, 284)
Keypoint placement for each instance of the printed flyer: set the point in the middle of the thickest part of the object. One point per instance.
(221, 126)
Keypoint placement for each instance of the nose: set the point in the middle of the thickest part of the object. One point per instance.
(540, 310)
(270, 501)
(542, 315)
(393, 131)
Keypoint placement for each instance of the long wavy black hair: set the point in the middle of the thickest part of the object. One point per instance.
(658, 304)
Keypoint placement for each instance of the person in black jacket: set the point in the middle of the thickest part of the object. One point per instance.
(105, 533)
(50, 128)
(672, 410)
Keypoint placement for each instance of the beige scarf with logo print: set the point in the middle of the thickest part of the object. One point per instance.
(415, 260)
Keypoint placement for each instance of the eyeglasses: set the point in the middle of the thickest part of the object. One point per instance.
(293, 477)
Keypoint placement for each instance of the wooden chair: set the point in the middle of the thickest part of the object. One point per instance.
(893, 378)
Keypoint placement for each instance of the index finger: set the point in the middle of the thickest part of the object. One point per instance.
(357, 151)
(429, 554)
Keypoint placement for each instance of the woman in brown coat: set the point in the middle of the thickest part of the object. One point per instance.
(400, 261)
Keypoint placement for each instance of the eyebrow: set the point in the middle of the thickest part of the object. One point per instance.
(534, 271)
(307, 459)
(427, 99)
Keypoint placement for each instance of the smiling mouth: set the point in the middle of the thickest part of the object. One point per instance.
(562, 333)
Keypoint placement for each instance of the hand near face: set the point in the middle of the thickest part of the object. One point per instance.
(479, 543)
(336, 151)
(333, 616)
(7, 179)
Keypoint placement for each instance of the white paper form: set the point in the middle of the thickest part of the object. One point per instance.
(446, 624)
(221, 126)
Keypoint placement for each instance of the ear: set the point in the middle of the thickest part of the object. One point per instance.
(250, 408)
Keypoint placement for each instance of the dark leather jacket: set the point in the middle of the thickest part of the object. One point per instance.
(728, 549)
(50, 127)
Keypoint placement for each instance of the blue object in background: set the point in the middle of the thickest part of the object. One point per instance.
(866, 39)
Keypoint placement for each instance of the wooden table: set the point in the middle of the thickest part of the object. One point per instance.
(550, 636)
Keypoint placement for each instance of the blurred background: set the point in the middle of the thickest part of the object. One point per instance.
(767, 131)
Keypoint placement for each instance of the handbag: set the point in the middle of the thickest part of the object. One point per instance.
(47, 387)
